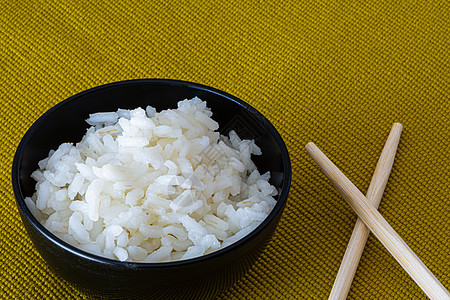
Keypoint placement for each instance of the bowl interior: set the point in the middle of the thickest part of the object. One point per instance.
(66, 123)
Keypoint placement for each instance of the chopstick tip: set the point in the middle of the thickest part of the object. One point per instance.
(310, 148)
(309, 145)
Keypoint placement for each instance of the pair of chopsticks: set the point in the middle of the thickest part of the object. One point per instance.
(370, 219)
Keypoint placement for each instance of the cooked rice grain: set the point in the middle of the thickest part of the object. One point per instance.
(151, 187)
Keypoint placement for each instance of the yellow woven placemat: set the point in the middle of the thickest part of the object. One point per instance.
(338, 73)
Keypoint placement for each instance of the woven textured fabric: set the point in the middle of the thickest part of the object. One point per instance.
(338, 73)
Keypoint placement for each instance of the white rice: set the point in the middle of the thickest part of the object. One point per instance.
(152, 187)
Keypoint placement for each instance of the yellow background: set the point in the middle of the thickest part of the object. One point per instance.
(338, 73)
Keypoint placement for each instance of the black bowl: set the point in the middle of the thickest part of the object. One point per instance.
(202, 277)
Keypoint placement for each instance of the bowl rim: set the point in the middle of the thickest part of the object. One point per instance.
(20, 199)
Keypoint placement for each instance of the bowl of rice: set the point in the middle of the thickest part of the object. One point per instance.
(151, 188)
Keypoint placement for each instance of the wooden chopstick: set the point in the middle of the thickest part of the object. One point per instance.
(380, 227)
(360, 233)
